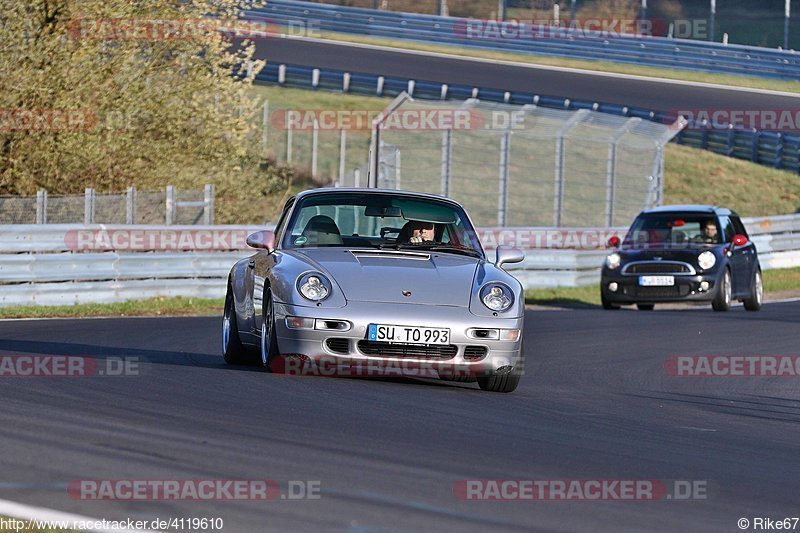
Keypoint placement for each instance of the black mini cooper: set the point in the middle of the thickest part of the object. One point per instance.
(683, 253)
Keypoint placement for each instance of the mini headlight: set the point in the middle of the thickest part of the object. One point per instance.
(706, 260)
(314, 287)
(613, 260)
(497, 298)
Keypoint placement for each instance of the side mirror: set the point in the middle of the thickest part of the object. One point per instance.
(507, 254)
(739, 240)
(261, 239)
(614, 241)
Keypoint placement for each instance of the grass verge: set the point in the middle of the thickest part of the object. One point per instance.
(153, 307)
(600, 66)
(777, 280)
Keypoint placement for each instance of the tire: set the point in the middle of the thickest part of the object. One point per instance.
(646, 307)
(607, 304)
(269, 340)
(507, 382)
(722, 301)
(756, 298)
(233, 351)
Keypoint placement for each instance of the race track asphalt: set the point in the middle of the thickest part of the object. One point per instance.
(596, 404)
(648, 94)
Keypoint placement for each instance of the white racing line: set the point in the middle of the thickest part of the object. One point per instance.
(29, 514)
(535, 66)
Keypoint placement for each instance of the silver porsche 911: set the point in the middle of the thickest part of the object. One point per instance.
(371, 279)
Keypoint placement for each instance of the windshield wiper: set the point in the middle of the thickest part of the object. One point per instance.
(438, 247)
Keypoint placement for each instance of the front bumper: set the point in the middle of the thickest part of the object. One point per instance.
(687, 288)
(351, 348)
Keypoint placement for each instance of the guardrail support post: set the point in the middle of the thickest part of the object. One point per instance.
(558, 196)
(170, 206)
(447, 157)
(502, 202)
(346, 82)
(611, 176)
(342, 155)
(314, 148)
(130, 206)
(356, 177)
(289, 135)
(208, 208)
(265, 128)
(88, 205)
(41, 207)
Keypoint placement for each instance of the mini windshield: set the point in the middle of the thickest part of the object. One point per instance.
(673, 230)
(376, 220)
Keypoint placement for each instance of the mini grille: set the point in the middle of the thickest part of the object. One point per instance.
(338, 345)
(383, 349)
(659, 292)
(658, 268)
(472, 353)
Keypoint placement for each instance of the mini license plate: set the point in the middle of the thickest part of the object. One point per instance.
(656, 281)
(408, 334)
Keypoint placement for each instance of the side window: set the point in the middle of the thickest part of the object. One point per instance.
(738, 226)
(727, 228)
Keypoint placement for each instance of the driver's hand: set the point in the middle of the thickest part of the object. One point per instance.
(415, 239)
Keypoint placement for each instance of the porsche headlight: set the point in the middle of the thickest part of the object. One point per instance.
(706, 260)
(613, 261)
(496, 297)
(314, 287)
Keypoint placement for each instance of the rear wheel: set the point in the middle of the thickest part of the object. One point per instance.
(607, 304)
(722, 301)
(756, 298)
(232, 349)
(646, 307)
(269, 341)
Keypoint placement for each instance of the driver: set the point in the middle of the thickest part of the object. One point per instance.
(709, 235)
(420, 231)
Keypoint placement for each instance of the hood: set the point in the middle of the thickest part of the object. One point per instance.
(382, 275)
(686, 255)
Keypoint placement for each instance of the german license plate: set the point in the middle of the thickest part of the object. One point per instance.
(656, 281)
(408, 334)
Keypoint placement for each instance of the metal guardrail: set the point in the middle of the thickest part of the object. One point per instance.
(658, 52)
(48, 265)
(773, 149)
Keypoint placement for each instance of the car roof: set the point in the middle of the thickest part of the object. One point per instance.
(335, 190)
(690, 208)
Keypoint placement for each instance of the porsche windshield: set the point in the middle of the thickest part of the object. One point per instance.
(373, 220)
(673, 230)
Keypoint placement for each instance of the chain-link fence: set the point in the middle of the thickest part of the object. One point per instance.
(170, 206)
(523, 165)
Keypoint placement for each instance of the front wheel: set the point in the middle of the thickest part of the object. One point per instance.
(722, 301)
(756, 298)
(269, 341)
(233, 351)
(607, 303)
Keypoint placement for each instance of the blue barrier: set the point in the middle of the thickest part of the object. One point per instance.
(658, 52)
(774, 149)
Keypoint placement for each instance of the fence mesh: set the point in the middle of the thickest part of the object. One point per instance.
(109, 208)
(526, 165)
